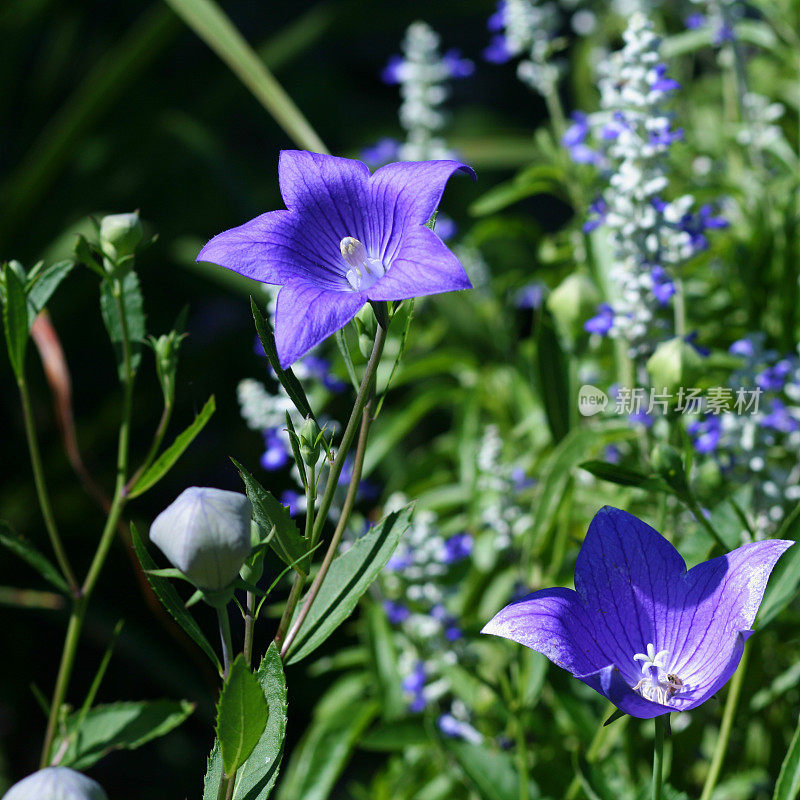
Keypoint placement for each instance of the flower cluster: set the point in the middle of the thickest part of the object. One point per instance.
(628, 141)
(745, 447)
(422, 72)
(718, 15)
(526, 29)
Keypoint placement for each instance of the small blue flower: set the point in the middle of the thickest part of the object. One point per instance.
(706, 433)
(663, 287)
(602, 322)
(383, 152)
(724, 33)
(779, 418)
(275, 455)
(396, 613)
(414, 684)
(530, 296)
(457, 548)
(390, 74)
(457, 66)
(497, 52)
(599, 208)
(662, 83)
(291, 500)
(773, 379)
(695, 21)
(743, 347)
(445, 227)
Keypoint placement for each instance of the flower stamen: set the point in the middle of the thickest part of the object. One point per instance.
(656, 685)
(364, 270)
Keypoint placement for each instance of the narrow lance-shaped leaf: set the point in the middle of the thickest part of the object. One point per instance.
(170, 599)
(286, 377)
(242, 715)
(15, 319)
(349, 576)
(119, 726)
(288, 543)
(133, 308)
(256, 777)
(28, 553)
(164, 463)
(44, 285)
(788, 785)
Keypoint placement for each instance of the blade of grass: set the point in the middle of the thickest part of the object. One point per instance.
(213, 26)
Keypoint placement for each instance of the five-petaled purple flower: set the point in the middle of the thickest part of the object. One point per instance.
(639, 628)
(347, 237)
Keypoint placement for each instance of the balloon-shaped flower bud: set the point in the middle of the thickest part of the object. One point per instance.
(310, 437)
(56, 783)
(571, 303)
(674, 363)
(205, 533)
(119, 234)
(367, 327)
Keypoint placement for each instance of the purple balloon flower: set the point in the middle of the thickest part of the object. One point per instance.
(347, 237)
(639, 628)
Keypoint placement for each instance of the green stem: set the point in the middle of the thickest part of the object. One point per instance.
(249, 625)
(81, 601)
(349, 434)
(721, 747)
(522, 760)
(694, 507)
(41, 486)
(224, 621)
(679, 305)
(658, 758)
(158, 437)
(352, 491)
(332, 481)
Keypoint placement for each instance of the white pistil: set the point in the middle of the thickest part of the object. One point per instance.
(656, 686)
(364, 270)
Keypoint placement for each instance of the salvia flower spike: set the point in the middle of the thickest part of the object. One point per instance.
(345, 238)
(639, 628)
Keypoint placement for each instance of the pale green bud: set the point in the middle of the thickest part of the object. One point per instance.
(673, 364)
(667, 462)
(205, 533)
(367, 327)
(56, 783)
(119, 234)
(571, 303)
(309, 435)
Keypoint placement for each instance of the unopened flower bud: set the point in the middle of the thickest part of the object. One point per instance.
(674, 363)
(119, 234)
(56, 783)
(571, 303)
(205, 533)
(309, 435)
(367, 327)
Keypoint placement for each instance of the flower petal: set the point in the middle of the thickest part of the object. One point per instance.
(276, 247)
(413, 189)
(626, 575)
(306, 314)
(422, 264)
(331, 191)
(721, 599)
(610, 683)
(552, 622)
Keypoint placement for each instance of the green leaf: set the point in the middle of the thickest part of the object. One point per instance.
(565, 457)
(400, 353)
(15, 319)
(164, 463)
(119, 726)
(538, 179)
(490, 771)
(341, 343)
(242, 715)
(384, 662)
(349, 576)
(287, 542)
(43, 286)
(211, 24)
(624, 476)
(788, 784)
(340, 719)
(130, 298)
(255, 779)
(170, 599)
(394, 736)
(286, 377)
(28, 553)
(785, 579)
(553, 374)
